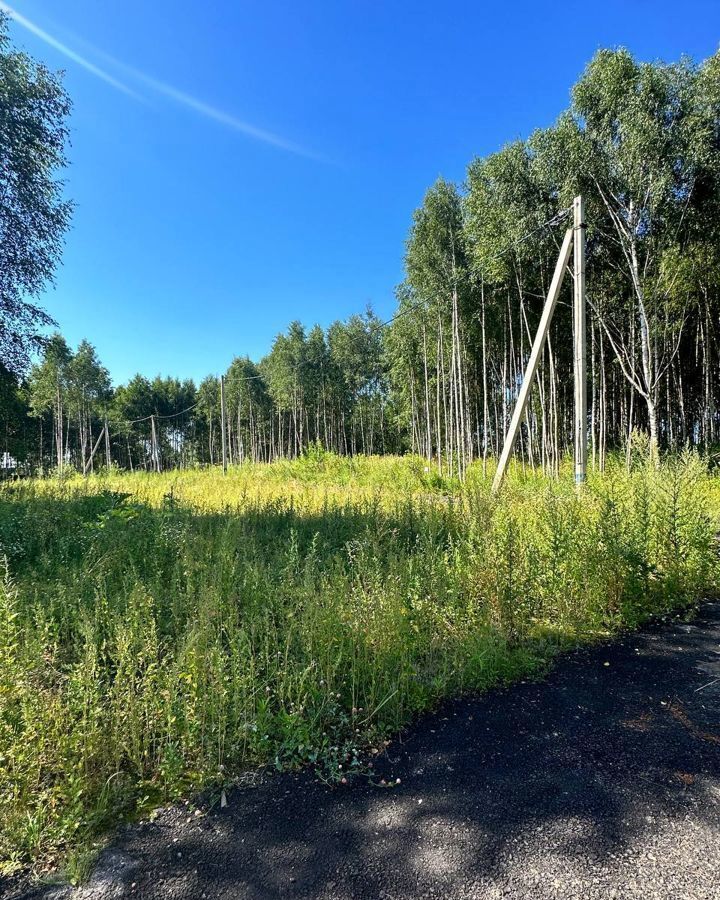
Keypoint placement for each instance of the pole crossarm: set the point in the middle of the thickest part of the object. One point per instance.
(535, 354)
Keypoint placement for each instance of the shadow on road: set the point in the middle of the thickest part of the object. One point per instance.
(527, 783)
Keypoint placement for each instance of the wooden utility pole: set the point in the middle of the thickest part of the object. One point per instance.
(534, 360)
(222, 423)
(580, 342)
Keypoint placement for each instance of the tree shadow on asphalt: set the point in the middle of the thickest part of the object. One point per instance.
(593, 757)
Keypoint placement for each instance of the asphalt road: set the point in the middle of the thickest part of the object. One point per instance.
(601, 781)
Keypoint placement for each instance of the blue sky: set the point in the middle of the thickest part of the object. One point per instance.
(237, 165)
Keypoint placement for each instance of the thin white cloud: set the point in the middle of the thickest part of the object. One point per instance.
(66, 51)
(212, 112)
(160, 87)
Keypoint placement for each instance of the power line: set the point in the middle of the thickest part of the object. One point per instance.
(158, 416)
(558, 217)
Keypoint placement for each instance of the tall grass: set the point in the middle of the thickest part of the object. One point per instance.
(159, 633)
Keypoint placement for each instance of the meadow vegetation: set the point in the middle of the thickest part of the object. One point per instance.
(162, 633)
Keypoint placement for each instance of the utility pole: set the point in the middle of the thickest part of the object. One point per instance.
(222, 423)
(108, 460)
(88, 464)
(534, 360)
(580, 341)
(155, 453)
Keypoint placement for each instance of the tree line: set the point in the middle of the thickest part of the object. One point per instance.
(641, 143)
(319, 386)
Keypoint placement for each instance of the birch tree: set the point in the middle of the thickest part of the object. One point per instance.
(34, 215)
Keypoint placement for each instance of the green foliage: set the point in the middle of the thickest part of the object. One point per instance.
(33, 214)
(160, 633)
(49, 379)
(640, 142)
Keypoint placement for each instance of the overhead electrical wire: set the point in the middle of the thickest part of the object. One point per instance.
(558, 217)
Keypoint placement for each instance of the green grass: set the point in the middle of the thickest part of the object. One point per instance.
(161, 633)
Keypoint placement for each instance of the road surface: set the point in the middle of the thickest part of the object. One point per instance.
(601, 781)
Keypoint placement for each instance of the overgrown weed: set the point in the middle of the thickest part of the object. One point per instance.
(161, 633)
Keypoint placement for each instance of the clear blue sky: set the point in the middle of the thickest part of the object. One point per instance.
(266, 162)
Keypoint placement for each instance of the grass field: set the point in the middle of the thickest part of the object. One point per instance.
(161, 633)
